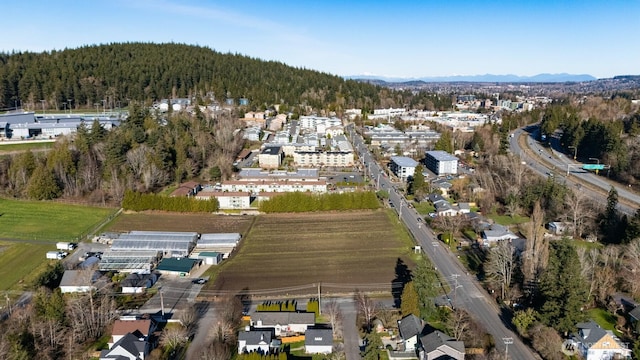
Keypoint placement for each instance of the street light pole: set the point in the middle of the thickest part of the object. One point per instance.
(70, 108)
(575, 151)
(42, 102)
(507, 341)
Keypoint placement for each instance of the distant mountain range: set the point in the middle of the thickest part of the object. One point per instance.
(555, 78)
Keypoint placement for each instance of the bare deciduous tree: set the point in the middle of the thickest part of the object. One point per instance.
(458, 323)
(632, 266)
(332, 312)
(579, 211)
(500, 266)
(367, 308)
(174, 337)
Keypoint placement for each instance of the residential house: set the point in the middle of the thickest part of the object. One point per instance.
(595, 343)
(444, 186)
(438, 345)
(255, 340)
(634, 316)
(140, 328)
(496, 233)
(410, 328)
(189, 188)
(284, 322)
(318, 341)
(137, 283)
(129, 347)
(464, 208)
(558, 227)
(443, 207)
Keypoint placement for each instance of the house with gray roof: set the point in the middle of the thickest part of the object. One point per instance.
(595, 343)
(497, 233)
(261, 341)
(129, 347)
(410, 328)
(438, 345)
(284, 322)
(318, 341)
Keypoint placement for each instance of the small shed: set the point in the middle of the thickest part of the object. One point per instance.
(210, 257)
(176, 266)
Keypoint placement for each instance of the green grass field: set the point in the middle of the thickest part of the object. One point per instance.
(48, 221)
(605, 319)
(8, 147)
(18, 260)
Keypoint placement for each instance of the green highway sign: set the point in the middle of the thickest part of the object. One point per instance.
(593, 166)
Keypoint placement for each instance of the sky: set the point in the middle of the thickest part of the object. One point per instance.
(402, 38)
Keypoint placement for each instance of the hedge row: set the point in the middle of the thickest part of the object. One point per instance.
(304, 202)
(136, 201)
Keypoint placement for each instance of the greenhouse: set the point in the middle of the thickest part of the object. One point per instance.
(220, 242)
(169, 243)
(129, 261)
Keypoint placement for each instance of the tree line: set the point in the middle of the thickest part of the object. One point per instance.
(305, 202)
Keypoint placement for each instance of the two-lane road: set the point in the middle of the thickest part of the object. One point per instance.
(467, 293)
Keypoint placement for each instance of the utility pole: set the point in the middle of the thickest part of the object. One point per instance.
(507, 341)
(161, 302)
(42, 102)
(319, 302)
(8, 303)
(70, 108)
(455, 289)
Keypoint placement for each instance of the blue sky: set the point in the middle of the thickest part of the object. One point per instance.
(403, 38)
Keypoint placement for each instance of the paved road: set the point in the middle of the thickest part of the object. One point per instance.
(545, 160)
(349, 329)
(467, 293)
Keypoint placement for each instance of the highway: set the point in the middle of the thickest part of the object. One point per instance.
(549, 160)
(466, 292)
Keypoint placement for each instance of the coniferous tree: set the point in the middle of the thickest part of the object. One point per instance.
(563, 291)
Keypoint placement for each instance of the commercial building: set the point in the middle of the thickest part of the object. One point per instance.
(441, 162)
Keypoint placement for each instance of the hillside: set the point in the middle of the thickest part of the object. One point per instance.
(143, 71)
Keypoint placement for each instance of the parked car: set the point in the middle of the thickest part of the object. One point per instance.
(199, 281)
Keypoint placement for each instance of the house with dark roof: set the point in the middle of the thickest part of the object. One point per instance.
(261, 341)
(284, 322)
(318, 341)
(438, 345)
(595, 343)
(138, 283)
(410, 328)
(129, 347)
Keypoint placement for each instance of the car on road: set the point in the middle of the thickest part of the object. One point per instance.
(420, 219)
(199, 281)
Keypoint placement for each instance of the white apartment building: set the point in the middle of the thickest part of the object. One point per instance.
(271, 157)
(258, 186)
(328, 158)
(403, 167)
(441, 162)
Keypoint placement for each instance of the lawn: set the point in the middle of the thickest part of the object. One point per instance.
(507, 220)
(17, 260)
(48, 221)
(605, 319)
(7, 147)
(424, 208)
(341, 250)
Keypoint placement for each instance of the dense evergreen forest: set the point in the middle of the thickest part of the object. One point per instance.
(121, 72)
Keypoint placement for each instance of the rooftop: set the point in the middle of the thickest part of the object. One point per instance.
(404, 161)
(441, 155)
(176, 264)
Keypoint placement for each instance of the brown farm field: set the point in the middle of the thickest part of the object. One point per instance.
(289, 253)
(161, 221)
